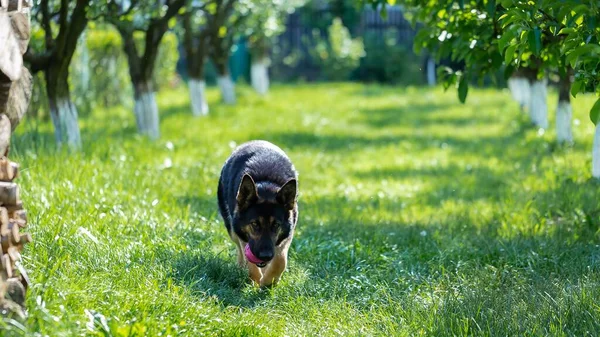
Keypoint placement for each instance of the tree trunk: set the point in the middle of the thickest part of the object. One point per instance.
(225, 82)
(564, 133)
(519, 88)
(197, 88)
(259, 74)
(431, 75)
(84, 61)
(226, 85)
(196, 49)
(62, 110)
(596, 153)
(227, 88)
(146, 109)
(538, 108)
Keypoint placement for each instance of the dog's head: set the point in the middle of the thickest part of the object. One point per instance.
(264, 216)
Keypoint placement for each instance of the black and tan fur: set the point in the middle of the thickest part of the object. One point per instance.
(258, 202)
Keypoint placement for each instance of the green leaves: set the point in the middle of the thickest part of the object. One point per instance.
(463, 88)
(587, 50)
(535, 41)
(491, 7)
(505, 39)
(509, 55)
(595, 112)
(576, 87)
(486, 35)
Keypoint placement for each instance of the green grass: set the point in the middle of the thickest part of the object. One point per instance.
(418, 216)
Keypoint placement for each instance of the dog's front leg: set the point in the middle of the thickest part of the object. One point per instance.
(274, 270)
(255, 273)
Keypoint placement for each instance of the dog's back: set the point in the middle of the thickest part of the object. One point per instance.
(264, 161)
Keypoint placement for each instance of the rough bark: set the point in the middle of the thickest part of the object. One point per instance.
(8, 170)
(21, 29)
(15, 96)
(9, 193)
(5, 132)
(14, 99)
(11, 60)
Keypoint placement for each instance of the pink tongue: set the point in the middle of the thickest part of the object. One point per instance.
(251, 256)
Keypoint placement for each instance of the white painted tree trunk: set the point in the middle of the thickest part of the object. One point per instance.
(65, 120)
(538, 108)
(84, 59)
(431, 75)
(227, 89)
(596, 153)
(259, 74)
(198, 97)
(564, 133)
(146, 114)
(519, 88)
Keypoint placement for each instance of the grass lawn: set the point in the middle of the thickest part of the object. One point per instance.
(418, 216)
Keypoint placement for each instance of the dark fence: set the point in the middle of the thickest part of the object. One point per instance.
(291, 57)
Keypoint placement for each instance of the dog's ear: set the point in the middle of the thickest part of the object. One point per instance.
(247, 193)
(286, 195)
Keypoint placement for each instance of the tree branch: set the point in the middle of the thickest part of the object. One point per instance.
(64, 12)
(37, 62)
(156, 30)
(45, 22)
(548, 16)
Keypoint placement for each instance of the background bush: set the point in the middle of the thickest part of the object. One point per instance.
(386, 61)
(338, 55)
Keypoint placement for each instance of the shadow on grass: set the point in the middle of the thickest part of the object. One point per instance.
(175, 111)
(213, 276)
(420, 116)
(351, 257)
(497, 146)
(333, 143)
(346, 254)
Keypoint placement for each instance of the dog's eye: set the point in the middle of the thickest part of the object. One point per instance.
(255, 225)
(276, 224)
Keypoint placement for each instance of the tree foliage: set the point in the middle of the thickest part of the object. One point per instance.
(546, 35)
(147, 21)
(265, 20)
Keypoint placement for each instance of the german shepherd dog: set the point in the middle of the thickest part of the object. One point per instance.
(258, 202)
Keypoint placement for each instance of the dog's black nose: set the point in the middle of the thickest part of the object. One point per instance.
(265, 255)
